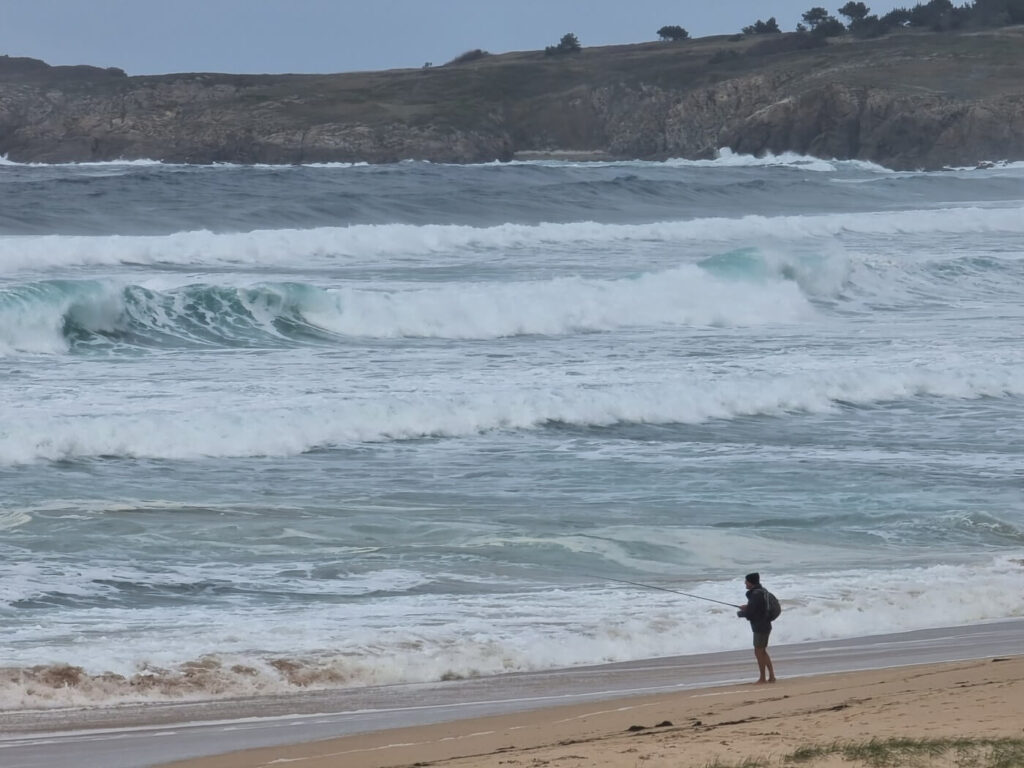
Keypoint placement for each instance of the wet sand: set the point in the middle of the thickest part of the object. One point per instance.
(731, 724)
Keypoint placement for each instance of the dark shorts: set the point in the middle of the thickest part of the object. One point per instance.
(761, 639)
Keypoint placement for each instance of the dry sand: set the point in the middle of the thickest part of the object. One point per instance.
(730, 724)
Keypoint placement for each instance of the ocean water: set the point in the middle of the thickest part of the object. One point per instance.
(265, 429)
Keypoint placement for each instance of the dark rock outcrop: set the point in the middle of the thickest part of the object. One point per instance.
(921, 100)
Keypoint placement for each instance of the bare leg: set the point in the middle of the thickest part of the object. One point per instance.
(759, 655)
(764, 666)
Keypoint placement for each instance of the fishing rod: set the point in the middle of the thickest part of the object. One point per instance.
(666, 589)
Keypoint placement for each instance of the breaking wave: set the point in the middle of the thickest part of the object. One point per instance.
(254, 428)
(199, 657)
(725, 157)
(368, 243)
(57, 316)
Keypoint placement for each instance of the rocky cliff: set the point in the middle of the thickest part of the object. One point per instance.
(908, 100)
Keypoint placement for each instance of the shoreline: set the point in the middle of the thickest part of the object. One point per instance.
(212, 734)
(728, 725)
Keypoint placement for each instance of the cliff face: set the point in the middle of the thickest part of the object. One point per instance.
(218, 118)
(920, 100)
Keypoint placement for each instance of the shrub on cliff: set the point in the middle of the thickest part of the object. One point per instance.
(568, 44)
(896, 18)
(473, 55)
(724, 55)
(673, 32)
(830, 27)
(762, 27)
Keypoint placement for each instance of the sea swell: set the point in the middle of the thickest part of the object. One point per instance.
(327, 247)
(249, 426)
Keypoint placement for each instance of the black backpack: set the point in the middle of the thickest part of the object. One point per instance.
(771, 605)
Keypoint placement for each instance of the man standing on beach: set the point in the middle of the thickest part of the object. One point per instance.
(756, 612)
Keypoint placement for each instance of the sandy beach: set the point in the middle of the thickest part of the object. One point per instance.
(729, 725)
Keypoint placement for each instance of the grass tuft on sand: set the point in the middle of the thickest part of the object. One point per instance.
(902, 753)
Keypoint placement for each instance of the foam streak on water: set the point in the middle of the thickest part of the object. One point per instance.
(343, 425)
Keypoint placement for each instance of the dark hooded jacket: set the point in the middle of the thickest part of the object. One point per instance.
(756, 611)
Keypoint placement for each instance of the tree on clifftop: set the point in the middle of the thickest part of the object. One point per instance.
(854, 11)
(997, 13)
(822, 23)
(568, 44)
(762, 27)
(673, 32)
(860, 22)
(935, 14)
(814, 17)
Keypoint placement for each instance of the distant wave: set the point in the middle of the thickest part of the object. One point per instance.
(360, 243)
(724, 158)
(83, 164)
(999, 165)
(294, 426)
(143, 163)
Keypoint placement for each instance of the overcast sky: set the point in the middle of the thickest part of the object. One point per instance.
(251, 36)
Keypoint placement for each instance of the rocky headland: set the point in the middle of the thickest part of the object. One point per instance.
(906, 100)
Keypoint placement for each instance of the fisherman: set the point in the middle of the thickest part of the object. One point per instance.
(756, 612)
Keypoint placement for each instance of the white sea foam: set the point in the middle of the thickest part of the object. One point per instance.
(245, 426)
(724, 158)
(1000, 165)
(84, 164)
(194, 652)
(284, 167)
(13, 518)
(687, 296)
(33, 317)
(369, 243)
